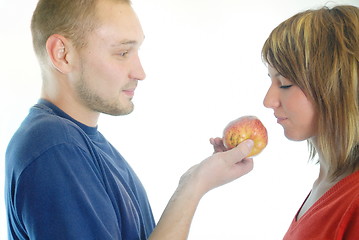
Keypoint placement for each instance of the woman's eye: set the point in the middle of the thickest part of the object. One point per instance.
(286, 86)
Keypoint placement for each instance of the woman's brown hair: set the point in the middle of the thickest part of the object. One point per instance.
(318, 50)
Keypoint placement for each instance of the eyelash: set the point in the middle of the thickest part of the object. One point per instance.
(123, 54)
(285, 86)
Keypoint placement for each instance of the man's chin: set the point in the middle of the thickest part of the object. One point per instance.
(120, 111)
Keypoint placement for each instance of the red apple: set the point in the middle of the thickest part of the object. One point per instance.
(246, 127)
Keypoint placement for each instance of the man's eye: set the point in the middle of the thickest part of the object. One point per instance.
(286, 86)
(123, 54)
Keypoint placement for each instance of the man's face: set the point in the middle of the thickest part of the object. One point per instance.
(109, 67)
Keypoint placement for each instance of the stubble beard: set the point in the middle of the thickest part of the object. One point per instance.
(97, 103)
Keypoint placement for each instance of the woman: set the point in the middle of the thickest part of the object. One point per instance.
(313, 63)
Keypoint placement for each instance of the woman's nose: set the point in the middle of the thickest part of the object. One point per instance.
(271, 99)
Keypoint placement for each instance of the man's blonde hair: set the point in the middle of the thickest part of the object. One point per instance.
(73, 19)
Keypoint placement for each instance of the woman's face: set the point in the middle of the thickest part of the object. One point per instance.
(293, 110)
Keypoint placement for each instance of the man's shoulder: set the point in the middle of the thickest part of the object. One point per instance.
(47, 127)
(42, 132)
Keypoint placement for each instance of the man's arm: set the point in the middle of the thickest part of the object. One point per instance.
(217, 170)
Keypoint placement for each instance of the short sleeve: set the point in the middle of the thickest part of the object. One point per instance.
(61, 195)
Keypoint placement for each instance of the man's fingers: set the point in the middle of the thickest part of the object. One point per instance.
(241, 151)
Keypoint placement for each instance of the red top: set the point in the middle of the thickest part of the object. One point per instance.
(334, 216)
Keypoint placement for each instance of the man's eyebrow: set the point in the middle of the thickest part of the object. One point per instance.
(124, 43)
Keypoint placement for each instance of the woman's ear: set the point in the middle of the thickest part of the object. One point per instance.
(57, 50)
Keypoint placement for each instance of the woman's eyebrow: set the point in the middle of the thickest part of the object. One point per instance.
(275, 75)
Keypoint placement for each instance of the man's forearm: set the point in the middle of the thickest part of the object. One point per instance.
(176, 220)
(215, 171)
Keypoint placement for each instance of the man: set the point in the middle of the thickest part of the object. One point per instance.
(64, 180)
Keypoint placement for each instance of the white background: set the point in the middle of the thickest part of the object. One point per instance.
(204, 69)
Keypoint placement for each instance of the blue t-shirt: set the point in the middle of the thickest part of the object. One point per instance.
(64, 180)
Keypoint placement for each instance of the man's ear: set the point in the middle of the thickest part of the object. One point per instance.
(57, 48)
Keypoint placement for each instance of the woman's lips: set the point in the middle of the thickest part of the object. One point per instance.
(280, 119)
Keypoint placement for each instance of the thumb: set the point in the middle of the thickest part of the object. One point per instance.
(240, 152)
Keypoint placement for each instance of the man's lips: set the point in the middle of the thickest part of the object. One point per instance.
(130, 92)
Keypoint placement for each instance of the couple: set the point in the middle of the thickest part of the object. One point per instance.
(64, 180)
